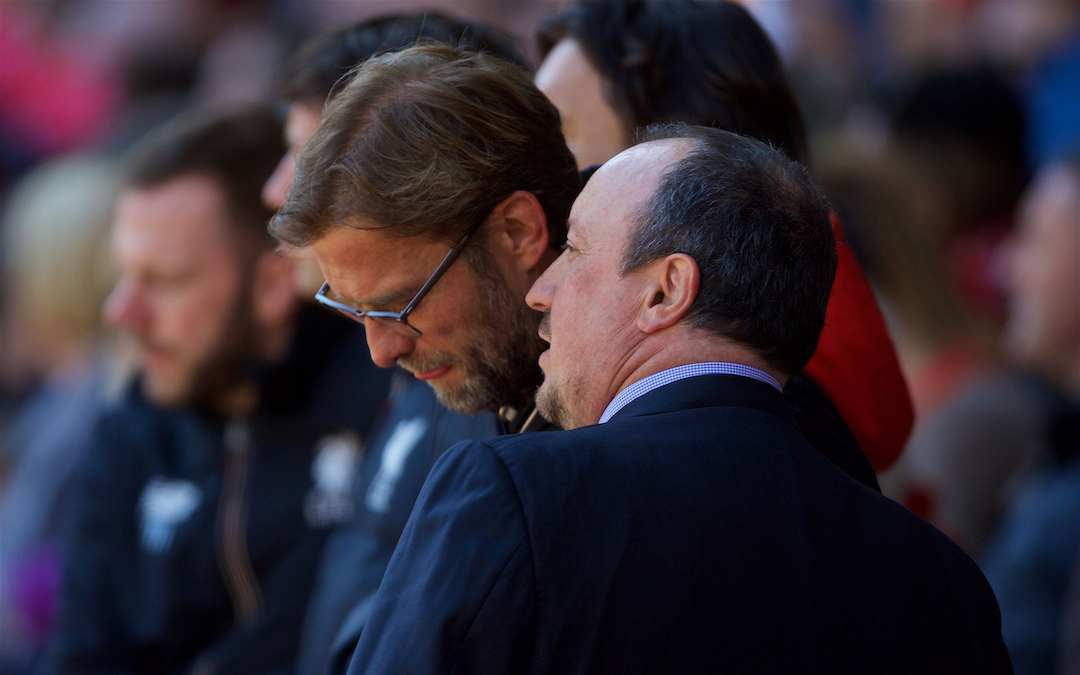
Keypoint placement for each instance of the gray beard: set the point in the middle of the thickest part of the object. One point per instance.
(500, 361)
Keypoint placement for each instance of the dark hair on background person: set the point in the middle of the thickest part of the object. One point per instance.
(427, 141)
(703, 63)
(311, 74)
(763, 242)
(239, 148)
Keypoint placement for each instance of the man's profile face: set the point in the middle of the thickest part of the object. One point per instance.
(590, 308)
(1043, 330)
(594, 131)
(479, 346)
(182, 291)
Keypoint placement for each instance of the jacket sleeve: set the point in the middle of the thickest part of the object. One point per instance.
(856, 366)
(459, 593)
(88, 637)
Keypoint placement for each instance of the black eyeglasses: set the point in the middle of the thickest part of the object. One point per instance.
(399, 321)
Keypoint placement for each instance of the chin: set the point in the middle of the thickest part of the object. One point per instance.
(164, 394)
(552, 405)
(467, 394)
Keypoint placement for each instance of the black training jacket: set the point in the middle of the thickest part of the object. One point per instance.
(199, 537)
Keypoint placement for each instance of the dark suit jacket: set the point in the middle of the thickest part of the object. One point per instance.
(695, 532)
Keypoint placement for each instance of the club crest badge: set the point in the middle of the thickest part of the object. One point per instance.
(405, 437)
(163, 506)
(334, 470)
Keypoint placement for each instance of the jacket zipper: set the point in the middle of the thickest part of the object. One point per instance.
(234, 559)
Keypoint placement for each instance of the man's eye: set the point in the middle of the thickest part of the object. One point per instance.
(568, 247)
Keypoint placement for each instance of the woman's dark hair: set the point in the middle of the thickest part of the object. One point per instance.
(311, 74)
(703, 63)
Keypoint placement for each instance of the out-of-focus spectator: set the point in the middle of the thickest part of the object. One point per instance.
(57, 274)
(613, 66)
(418, 429)
(965, 131)
(208, 490)
(927, 214)
(975, 429)
(1035, 557)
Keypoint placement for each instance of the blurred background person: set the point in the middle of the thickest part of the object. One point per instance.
(613, 66)
(1033, 560)
(208, 490)
(975, 429)
(57, 274)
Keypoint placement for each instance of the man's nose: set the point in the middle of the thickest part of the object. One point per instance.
(539, 296)
(126, 305)
(385, 344)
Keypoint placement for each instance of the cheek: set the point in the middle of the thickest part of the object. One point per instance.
(195, 317)
(597, 138)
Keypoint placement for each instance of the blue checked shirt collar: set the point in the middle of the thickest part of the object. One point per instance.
(657, 380)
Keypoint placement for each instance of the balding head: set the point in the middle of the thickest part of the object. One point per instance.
(695, 245)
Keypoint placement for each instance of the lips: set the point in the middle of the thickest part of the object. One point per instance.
(432, 374)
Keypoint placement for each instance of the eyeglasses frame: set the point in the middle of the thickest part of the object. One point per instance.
(401, 317)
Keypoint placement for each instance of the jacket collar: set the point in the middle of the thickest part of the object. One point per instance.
(709, 391)
(286, 387)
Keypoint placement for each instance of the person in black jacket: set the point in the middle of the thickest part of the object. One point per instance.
(683, 523)
(209, 490)
(417, 428)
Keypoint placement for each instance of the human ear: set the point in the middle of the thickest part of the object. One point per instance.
(671, 286)
(519, 225)
(274, 292)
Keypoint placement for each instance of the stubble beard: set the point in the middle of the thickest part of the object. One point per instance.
(212, 379)
(550, 404)
(550, 399)
(499, 363)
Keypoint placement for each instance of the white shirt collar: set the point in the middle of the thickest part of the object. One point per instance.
(657, 380)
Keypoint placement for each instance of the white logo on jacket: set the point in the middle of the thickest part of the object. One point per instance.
(337, 459)
(165, 504)
(397, 450)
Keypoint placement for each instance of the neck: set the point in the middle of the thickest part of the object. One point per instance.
(660, 353)
(272, 348)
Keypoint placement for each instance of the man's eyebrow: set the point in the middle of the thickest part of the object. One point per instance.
(384, 300)
(392, 298)
(570, 222)
(579, 237)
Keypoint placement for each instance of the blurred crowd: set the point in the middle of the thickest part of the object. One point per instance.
(946, 134)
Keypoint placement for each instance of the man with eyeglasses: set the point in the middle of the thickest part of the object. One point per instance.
(416, 428)
(435, 247)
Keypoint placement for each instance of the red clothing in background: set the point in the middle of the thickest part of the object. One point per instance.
(855, 364)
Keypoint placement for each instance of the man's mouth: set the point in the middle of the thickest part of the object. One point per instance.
(152, 357)
(432, 374)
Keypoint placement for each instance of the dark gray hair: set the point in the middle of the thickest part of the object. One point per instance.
(760, 232)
